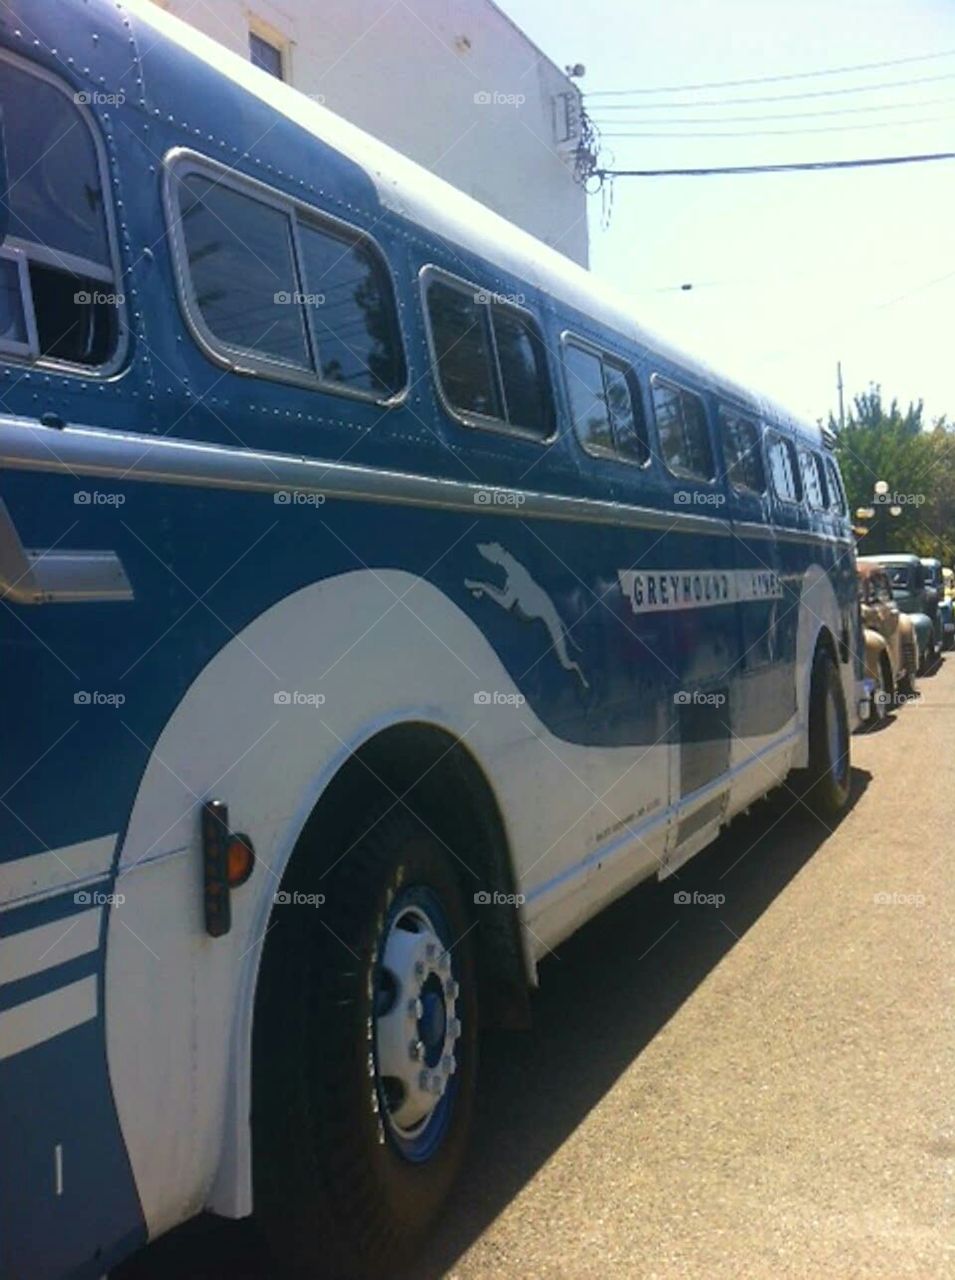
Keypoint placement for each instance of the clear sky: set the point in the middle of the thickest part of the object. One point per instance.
(791, 272)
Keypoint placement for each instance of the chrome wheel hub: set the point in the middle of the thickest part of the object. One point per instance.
(416, 1023)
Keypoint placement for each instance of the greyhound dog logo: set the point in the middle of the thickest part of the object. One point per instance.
(529, 601)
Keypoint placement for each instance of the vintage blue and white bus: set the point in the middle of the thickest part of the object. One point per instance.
(379, 601)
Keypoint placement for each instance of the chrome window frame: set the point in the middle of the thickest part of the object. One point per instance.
(721, 408)
(841, 504)
(55, 258)
(181, 161)
(569, 338)
(29, 350)
(662, 379)
(479, 421)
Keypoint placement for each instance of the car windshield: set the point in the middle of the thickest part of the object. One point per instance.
(900, 575)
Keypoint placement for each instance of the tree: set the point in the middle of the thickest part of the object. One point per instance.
(884, 443)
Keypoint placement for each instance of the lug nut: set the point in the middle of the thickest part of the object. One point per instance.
(415, 1050)
(419, 968)
(415, 1008)
(454, 1027)
(452, 989)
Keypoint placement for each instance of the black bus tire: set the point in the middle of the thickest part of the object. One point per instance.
(335, 1192)
(826, 779)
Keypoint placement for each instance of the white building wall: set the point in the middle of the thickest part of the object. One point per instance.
(453, 84)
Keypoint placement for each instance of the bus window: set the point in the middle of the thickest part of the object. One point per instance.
(353, 319)
(462, 350)
(681, 423)
(837, 496)
(523, 374)
(783, 469)
(744, 462)
(490, 359)
(588, 400)
(57, 227)
(239, 251)
(605, 404)
(812, 479)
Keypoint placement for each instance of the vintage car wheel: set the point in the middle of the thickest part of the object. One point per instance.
(883, 697)
(366, 1057)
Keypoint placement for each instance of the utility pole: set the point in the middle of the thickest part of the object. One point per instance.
(842, 407)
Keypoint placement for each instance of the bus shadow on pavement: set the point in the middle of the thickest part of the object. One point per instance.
(603, 997)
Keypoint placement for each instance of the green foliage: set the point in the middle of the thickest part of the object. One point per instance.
(883, 442)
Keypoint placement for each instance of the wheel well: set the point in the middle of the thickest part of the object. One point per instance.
(430, 772)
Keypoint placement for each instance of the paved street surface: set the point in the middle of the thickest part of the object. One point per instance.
(763, 1088)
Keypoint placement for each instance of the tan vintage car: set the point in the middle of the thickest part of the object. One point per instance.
(891, 650)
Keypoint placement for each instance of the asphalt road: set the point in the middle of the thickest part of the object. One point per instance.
(760, 1088)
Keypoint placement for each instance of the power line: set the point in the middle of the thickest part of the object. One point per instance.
(766, 133)
(797, 75)
(777, 97)
(778, 115)
(804, 166)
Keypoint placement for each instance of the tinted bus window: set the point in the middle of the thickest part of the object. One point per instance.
(490, 359)
(681, 423)
(837, 496)
(605, 405)
(813, 482)
(782, 468)
(741, 446)
(463, 351)
(240, 262)
(588, 401)
(60, 284)
(523, 374)
(353, 320)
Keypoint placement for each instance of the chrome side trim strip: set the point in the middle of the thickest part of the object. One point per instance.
(57, 577)
(90, 451)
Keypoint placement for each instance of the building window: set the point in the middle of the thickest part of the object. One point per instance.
(490, 360)
(684, 437)
(265, 55)
(605, 405)
(744, 464)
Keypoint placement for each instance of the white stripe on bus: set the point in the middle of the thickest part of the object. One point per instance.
(27, 1025)
(53, 943)
(41, 874)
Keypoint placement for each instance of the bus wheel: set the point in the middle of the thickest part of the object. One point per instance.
(366, 1054)
(827, 775)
